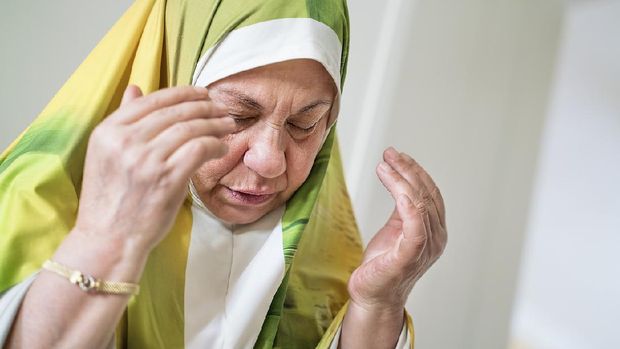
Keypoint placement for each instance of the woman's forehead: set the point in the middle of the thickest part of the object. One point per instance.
(305, 78)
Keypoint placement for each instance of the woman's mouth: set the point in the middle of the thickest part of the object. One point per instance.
(248, 197)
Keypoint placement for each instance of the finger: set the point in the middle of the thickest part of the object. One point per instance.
(393, 182)
(413, 187)
(408, 168)
(184, 162)
(415, 173)
(138, 108)
(131, 92)
(167, 142)
(426, 201)
(151, 125)
(397, 186)
(441, 206)
(434, 189)
(415, 239)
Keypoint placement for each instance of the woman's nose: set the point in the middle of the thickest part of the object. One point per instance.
(265, 154)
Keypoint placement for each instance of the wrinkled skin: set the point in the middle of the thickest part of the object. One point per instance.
(282, 111)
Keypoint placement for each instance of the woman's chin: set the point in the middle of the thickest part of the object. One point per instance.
(241, 214)
(236, 216)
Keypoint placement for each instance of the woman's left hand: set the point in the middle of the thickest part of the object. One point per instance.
(410, 242)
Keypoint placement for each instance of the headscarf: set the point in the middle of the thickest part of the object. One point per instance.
(158, 44)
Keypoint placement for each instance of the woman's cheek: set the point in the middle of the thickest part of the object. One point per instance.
(211, 172)
(300, 162)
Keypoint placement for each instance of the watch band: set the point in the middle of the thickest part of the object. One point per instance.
(89, 283)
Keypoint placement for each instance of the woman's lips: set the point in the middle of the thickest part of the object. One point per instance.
(248, 197)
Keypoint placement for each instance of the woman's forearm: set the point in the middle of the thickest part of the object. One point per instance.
(371, 328)
(56, 313)
(134, 183)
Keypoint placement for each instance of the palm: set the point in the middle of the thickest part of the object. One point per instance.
(385, 239)
(413, 237)
(378, 268)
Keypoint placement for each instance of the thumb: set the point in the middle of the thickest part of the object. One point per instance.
(131, 92)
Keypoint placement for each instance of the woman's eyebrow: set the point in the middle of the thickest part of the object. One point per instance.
(253, 104)
(313, 105)
(244, 99)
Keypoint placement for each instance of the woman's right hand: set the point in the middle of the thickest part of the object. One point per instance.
(140, 158)
(138, 163)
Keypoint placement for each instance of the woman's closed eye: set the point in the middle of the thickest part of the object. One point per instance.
(301, 129)
(305, 125)
(242, 121)
(296, 129)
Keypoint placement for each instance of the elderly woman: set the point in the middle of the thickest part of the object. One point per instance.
(207, 217)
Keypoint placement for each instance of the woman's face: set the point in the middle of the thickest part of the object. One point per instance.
(281, 112)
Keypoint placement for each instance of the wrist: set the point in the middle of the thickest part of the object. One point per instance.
(371, 327)
(103, 256)
(388, 304)
(382, 311)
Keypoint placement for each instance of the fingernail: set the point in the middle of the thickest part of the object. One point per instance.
(392, 152)
(230, 122)
(384, 166)
(220, 107)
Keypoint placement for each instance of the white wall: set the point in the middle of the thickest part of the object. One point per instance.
(570, 282)
(41, 44)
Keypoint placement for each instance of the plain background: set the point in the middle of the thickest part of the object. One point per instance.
(512, 106)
